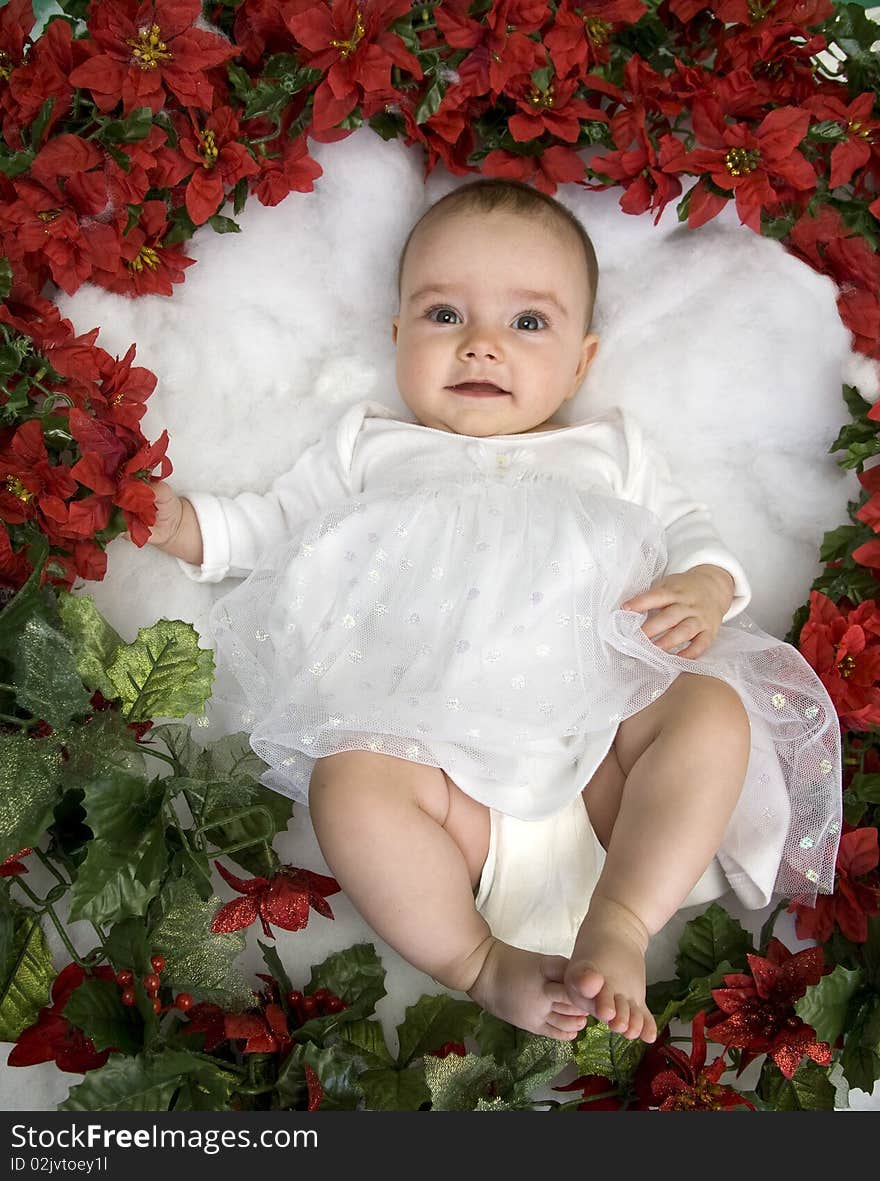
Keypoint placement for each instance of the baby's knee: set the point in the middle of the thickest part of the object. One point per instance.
(723, 714)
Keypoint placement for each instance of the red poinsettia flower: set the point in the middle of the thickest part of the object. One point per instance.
(52, 1038)
(209, 1019)
(556, 110)
(594, 1084)
(743, 161)
(553, 167)
(779, 58)
(352, 43)
(12, 865)
(265, 1032)
(852, 901)
(757, 1012)
(861, 133)
(16, 22)
(42, 75)
(803, 13)
(690, 1085)
(580, 34)
(14, 565)
(499, 42)
(221, 162)
(147, 266)
(283, 900)
(844, 650)
(30, 486)
(144, 48)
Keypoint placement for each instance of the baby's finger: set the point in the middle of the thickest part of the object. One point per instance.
(668, 618)
(655, 596)
(682, 634)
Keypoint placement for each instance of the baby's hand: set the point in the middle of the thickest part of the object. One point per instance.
(690, 607)
(169, 510)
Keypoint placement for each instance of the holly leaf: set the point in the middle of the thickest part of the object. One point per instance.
(164, 673)
(357, 976)
(597, 1050)
(824, 1005)
(114, 883)
(860, 1059)
(457, 1084)
(208, 1087)
(198, 960)
(146, 1082)
(5, 276)
(706, 940)
(93, 641)
(337, 1072)
(389, 1089)
(275, 966)
(44, 673)
(120, 808)
(366, 1038)
(433, 1021)
(26, 971)
(31, 771)
(809, 1089)
(95, 1008)
(241, 818)
(539, 1061)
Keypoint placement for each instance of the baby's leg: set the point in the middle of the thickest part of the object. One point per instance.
(680, 766)
(407, 847)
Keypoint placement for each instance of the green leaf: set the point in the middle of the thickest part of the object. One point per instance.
(164, 673)
(389, 1089)
(13, 164)
(457, 1084)
(824, 1005)
(95, 1008)
(275, 966)
(126, 946)
(357, 976)
(241, 819)
(539, 1061)
(433, 1021)
(93, 641)
(223, 225)
(599, 1051)
(871, 952)
(199, 961)
(431, 100)
(134, 127)
(860, 1059)
(5, 277)
(45, 677)
(176, 737)
(114, 883)
(809, 1089)
(366, 1038)
(337, 1072)
(121, 808)
(144, 1083)
(26, 971)
(699, 994)
(865, 787)
(31, 772)
(708, 939)
(208, 1087)
(39, 124)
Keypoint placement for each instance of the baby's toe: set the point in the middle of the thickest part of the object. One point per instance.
(583, 982)
(648, 1032)
(622, 1016)
(605, 1005)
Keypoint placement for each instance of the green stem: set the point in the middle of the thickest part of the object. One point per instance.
(47, 909)
(50, 865)
(22, 723)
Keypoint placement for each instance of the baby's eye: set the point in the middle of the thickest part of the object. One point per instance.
(532, 316)
(440, 312)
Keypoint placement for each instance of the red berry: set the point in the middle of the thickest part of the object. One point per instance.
(124, 977)
(309, 1007)
(335, 1005)
(128, 997)
(157, 1005)
(157, 962)
(322, 995)
(151, 983)
(183, 1001)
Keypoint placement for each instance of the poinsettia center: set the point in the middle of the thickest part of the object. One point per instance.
(859, 129)
(148, 48)
(597, 30)
(702, 1096)
(346, 48)
(757, 10)
(742, 161)
(542, 98)
(6, 65)
(145, 257)
(18, 490)
(208, 150)
(48, 214)
(846, 666)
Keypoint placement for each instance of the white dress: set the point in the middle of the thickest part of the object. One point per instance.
(455, 601)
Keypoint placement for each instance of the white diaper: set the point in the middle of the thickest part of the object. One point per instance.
(539, 876)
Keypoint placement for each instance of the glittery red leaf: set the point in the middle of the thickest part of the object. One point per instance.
(243, 885)
(238, 913)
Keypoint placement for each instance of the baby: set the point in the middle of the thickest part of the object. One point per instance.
(487, 649)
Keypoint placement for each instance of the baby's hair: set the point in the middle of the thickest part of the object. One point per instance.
(490, 193)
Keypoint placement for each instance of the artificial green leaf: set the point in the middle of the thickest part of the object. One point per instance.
(45, 677)
(120, 807)
(390, 1089)
(113, 883)
(861, 1050)
(26, 967)
(824, 1005)
(706, 940)
(809, 1089)
(367, 1039)
(241, 819)
(223, 225)
(5, 276)
(599, 1051)
(126, 946)
(164, 673)
(93, 641)
(133, 128)
(207, 1087)
(276, 968)
(539, 1061)
(31, 769)
(457, 1084)
(357, 976)
(96, 1008)
(337, 1073)
(431, 1022)
(498, 1038)
(144, 1083)
(198, 960)
(177, 739)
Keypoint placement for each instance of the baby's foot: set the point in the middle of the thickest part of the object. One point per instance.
(606, 972)
(526, 989)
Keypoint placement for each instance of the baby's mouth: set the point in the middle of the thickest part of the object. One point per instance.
(478, 389)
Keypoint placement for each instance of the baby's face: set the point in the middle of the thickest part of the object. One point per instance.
(498, 298)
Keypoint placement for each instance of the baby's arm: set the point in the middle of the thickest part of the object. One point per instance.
(177, 530)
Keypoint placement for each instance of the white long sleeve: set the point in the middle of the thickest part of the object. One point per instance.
(691, 538)
(236, 530)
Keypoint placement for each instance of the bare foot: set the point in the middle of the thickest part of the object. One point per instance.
(526, 989)
(606, 972)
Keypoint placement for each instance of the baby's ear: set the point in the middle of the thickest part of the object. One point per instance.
(395, 320)
(589, 348)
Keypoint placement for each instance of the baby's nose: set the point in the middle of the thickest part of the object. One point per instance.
(480, 343)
